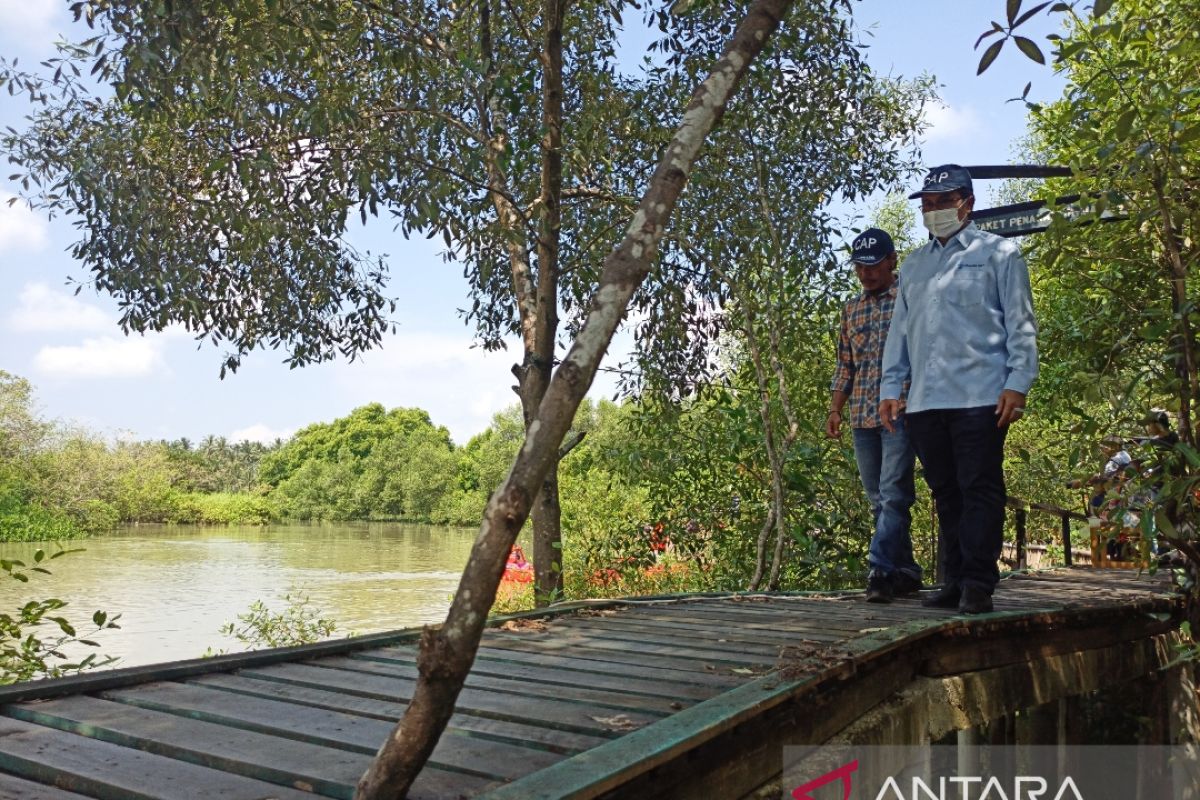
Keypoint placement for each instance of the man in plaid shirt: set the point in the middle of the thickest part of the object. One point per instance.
(885, 458)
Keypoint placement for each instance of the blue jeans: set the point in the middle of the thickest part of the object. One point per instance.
(962, 452)
(885, 464)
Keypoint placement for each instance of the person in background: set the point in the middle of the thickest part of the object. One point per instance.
(963, 332)
(885, 458)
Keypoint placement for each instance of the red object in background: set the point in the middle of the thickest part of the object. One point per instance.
(518, 569)
(660, 541)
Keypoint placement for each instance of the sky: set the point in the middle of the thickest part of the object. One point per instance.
(86, 372)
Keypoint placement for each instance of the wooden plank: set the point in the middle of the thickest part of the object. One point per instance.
(111, 772)
(780, 626)
(565, 640)
(590, 666)
(553, 713)
(756, 633)
(481, 757)
(786, 612)
(14, 788)
(657, 631)
(629, 660)
(1052, 585)
(639, 636)
(1090, 582)
(616, 699)
(554, 740)
(794, 621)
(286, 762)
(677, 688)
(833, 617)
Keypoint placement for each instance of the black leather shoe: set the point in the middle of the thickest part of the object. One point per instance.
(879, 588)
(974, 601)
(905, 584)
(945, 597)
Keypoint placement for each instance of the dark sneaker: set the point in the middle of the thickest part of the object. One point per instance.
(945, 597)
(974, 601)
(879, 588)
(905, 584)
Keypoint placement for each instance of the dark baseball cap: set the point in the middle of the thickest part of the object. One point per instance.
(871, 246)
(946, 178)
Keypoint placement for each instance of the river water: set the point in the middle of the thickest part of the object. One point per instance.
(176, 586)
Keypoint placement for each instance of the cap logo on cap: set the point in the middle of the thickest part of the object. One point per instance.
(865, 242)
(936, 177)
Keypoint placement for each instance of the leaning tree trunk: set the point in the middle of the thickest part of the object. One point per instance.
(447, 652)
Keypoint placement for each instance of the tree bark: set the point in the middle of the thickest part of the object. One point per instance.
(547, 514)
(536, 293)
(447, 652)
(1185, 364)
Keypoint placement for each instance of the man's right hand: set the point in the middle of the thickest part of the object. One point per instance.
(889, 412)
(833, 424)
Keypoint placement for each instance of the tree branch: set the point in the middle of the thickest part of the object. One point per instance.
(571, 444)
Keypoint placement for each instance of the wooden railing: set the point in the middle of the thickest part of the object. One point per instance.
(1021, 508)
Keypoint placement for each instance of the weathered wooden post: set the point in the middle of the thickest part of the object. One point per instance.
(1066, 539)
(1019, 521)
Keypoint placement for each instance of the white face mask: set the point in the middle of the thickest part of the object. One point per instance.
(942, 222)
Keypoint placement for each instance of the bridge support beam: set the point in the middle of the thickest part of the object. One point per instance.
(1046, 691)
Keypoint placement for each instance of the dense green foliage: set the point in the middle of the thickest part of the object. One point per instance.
(58, 482)
(1113, 274)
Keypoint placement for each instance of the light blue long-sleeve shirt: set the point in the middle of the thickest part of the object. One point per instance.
(963, 327)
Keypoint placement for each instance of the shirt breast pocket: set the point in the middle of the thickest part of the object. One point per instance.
(967, 289)
(860, 336)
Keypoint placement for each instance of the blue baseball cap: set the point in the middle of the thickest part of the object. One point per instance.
(871, 246)
(946, 178)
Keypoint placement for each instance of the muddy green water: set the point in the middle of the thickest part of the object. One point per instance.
(176, 586)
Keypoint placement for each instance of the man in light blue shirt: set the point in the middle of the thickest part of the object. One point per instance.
(963, 333)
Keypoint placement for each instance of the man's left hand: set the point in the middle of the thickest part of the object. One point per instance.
(1010, 407)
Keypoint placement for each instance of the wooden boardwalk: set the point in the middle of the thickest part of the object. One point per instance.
(642, 699)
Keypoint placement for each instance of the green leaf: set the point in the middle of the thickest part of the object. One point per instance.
(1013, 8)
(1101, 7)
(989, 56)
(985, 35)
(1030, 49)
(1030, 13)
(1189, 134)
(1125, 124)
(1189, 453)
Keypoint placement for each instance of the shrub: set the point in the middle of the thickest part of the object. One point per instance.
(298, 623)
(26, 651)
(32, 523)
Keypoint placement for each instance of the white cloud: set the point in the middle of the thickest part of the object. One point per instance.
(105, 357)
(260, 433)
(43, 309)
(20, 227)
(950, 122)
(29, 19)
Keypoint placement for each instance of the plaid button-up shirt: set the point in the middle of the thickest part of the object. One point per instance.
(865, 321)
